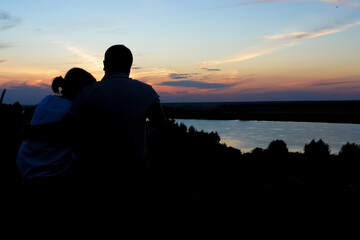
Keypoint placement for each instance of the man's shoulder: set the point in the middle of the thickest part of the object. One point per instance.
(138, 82)
(121, 78)
(144, 88)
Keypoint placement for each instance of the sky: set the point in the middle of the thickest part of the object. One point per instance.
(188, 50)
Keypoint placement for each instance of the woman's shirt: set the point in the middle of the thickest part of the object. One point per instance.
(42, 159)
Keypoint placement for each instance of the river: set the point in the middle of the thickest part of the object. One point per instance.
(247, 135)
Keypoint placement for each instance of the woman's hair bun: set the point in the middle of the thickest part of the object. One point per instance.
(57, 83)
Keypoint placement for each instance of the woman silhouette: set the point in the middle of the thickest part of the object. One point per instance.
(50, 195)
(40, 161)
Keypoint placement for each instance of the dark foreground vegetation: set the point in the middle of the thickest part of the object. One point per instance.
(298, 111)
(199, 188)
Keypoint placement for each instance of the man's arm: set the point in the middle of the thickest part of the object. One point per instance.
(156, 116)
(59, 132)
(158, 132)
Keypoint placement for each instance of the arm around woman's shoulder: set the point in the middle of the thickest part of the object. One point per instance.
(60, 132)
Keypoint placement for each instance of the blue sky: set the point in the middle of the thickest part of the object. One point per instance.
(198, 50)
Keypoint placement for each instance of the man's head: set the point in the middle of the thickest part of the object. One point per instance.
(118, 58)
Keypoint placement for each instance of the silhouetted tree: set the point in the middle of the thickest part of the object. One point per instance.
(2, 96)
(349, 161)
(278, 148)
(11, 122)
(317, 149)
(350, 151)
(257, 151)
(192, 130)
(277, 156)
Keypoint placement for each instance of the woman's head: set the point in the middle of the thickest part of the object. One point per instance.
(75, 79)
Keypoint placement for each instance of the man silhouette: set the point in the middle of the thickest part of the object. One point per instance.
(115, 110)
(113, 114)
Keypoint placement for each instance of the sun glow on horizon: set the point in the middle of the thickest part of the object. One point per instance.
(201, 51)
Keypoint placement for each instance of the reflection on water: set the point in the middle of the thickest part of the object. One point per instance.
(247, 135)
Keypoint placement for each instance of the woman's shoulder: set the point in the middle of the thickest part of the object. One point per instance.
(53, 98)
(54, 102)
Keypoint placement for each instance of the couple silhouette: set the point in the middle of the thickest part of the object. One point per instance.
(84, 157)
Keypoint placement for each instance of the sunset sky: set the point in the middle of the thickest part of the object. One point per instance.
(188, 50)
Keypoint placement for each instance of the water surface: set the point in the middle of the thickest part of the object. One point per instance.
(247, 135)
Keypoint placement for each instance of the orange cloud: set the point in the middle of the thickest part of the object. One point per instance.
(28, 76)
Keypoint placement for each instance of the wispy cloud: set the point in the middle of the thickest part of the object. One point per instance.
(179, 75)
(4, 45)
(7, 21)
(313, 34)
(246, 56)
(212, 69)
(196, 84)
(280, 41)
(136, 68)
(86, 57)
(349, 82)
(27, 83)
(254, 2)
(152, 72)
(329, 84)
(352, 3)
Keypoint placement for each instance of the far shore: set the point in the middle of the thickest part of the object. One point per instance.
(292, 111)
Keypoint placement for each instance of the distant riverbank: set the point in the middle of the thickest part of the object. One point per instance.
(294, 111)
